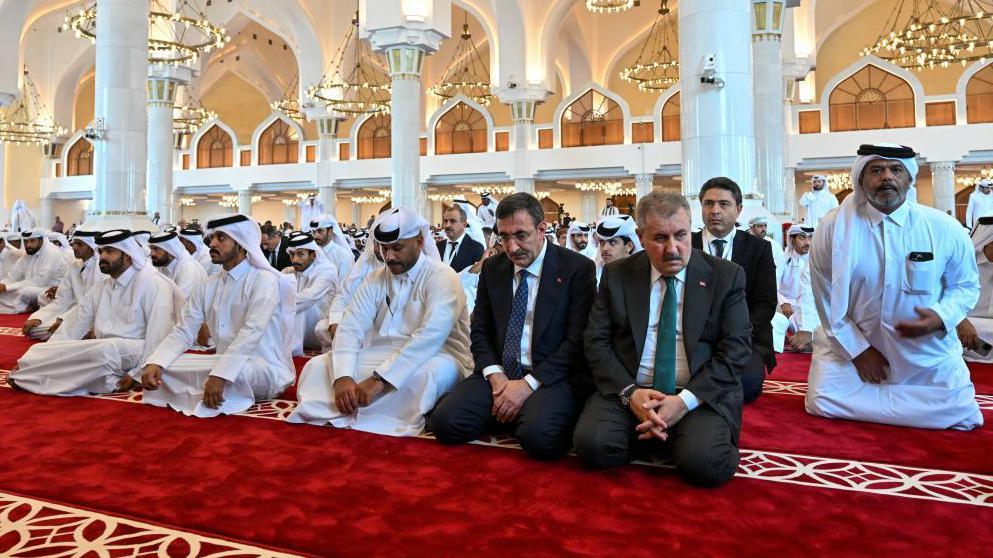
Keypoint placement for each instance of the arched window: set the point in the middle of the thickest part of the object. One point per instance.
(593, 119)
(375, 138)
(279, 144)
(215, 149)
(80, 158)
(670, 119)
(870, 99)
(460, 130)
(979, 96)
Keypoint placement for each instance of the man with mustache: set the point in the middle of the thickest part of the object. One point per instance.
(316, 285)
(580, 239)
(819, 201)
(171, 258)
(666, 340)
(78, 280)
(891, 279)
(403, 343)
(128, 311)
(530, 377)
(459, 250)
(39, 269)
(329, 236)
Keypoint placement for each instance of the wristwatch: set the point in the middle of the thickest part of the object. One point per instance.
(380, 379)
(625, 394)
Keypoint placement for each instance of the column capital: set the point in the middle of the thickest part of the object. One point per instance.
(391, 23)
(942, 166)
(406, 61)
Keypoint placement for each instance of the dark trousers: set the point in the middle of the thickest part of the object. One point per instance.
(752, 377)
(543, 427)
(701, 444)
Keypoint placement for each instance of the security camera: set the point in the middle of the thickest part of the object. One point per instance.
(709, 76)
(96, 130)
(512, 84)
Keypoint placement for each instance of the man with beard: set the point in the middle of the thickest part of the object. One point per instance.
(316, 286)
(403, 343)
(818, 202)
(980, 202)
(329, 236)
(128, 312)
(580, 239)
(172, 259)
(39, 269)
(249, 309)
(78, 280)
(192, 240)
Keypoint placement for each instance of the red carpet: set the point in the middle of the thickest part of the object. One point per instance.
(325, 492)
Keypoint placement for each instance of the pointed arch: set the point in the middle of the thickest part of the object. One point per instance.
(480, 138)
(600, 109)
(666, 114)
(219, 152)
(77, 155)
(277, 140)
(372, 137)
(975, 94)
(917, 101)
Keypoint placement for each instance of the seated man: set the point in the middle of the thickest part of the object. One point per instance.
(580, 239)
(39, 269)
(328, 235)
(891, 280)
(403, 343)
(666, 341)
(171, 258)
(759, 227)
(192, 240)
(316, 285)
(617, 238)
(10, 252)
(531, 306)
(976, 331)
(127, 313)
(791, 285)
(458, 249)
(78, 280)
(60, 241)
(249, 309)
(469, 277)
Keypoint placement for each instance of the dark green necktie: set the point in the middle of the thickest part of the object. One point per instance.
(664, 379)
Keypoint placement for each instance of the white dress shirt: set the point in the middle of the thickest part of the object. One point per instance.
(646, 367)
(533, 279)
(708, 238)
(451, 250)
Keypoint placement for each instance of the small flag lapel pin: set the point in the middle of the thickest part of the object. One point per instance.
(702, 284)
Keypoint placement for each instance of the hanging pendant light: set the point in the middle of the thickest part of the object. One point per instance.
(28, 122)
(466, 73)
(363, 88)
(610, 6)
(657, 65)
(289, 103)
(189, 117)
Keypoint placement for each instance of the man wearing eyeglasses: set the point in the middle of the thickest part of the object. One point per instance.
(530, 374)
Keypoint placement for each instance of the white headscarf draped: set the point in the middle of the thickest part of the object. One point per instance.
(367, 261)
(758, 220)
(794, 230)
(845, 226)
(474, 225)
(86, 237)
(299, 240)
(986, 182)
(248, 235)
(21, 219)
(576, 227)
(401, 223)
(614, 226)
(195, 237)
(169, 242)
(14, 237)
(326, 221)
(982, 235)
(63, 244)
(124, 241)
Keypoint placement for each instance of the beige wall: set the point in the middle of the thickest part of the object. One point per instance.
(22, 176)
(71, 211)
(238, 104)
(82, 113)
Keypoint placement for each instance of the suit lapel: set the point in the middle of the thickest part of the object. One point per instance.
(697, 240)
(697, 296)
(549, 288)
(738, 248)
(637, 292)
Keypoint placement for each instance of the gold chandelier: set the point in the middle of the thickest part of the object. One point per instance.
(611, 6)
(175, 37)
(28, 122)
(466, 73)
(366, 87)
(189, 117)
(611, 188)
(936, 37)
(657, 65)
(289, 104)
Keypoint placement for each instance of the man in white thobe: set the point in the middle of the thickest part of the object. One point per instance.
(759, 226)
(617, 238)
(10, 252)
(21, 219)
(610, 209)
(128, 311)
(487, 215)
(171, 258)
(60, 241)
(40, 268)
(403, 343)
(82, 274)
(891, 279)
(328, 235)
(818, 202)
(976, 331)
(794, 289)
(249, 309)
(192, 240)
(980, 202)
(310, 209)
(580, 239)
(316, 286)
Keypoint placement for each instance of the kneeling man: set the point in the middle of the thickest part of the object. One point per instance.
(316, 283)
(39, 269)
(976, 331)
(667, 339)
(249, 310)
(80, 278)
(403, 343)
(111, 332)
(891, 280)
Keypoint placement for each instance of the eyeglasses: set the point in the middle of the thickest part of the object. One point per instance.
(521, 236)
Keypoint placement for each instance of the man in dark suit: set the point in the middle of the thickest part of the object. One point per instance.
(274, 248)
(459, 251)
(531, 307)
(666, 340)
(720, 199)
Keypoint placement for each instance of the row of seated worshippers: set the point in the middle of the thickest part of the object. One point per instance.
(654, 360)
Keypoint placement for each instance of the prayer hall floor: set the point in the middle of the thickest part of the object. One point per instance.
(106, 473)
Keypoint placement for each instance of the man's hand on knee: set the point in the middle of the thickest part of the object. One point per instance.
(642, 404)
(29, 325)
(871, 366)
(213, 391)
(369, 389)
(151, 377)
(508, 399)
(127, 383)
(346, 396)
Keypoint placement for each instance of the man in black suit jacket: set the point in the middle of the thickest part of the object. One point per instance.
(720, 199)
(531, 307)
(673, 383)
(274, 248)
(459, 251)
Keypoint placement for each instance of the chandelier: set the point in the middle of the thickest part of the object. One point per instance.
(366, 87)
(611, 188)
(28, 121)
(495, 189)
(610, 6)
(936, 37)
(187, 202)
(370, 199)
(188, 118)
(970, 181)
(542, 194)
(289, 104)
(657, 65)
(839, 181)
(443, 197)
(231, 200)
(466, 73)
(175, 37)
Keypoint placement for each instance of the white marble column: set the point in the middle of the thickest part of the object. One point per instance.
(522, 102)
(943, 185)
(121, 156)
(245, 202)
(4, 210)
(770, 124)
(327, 193)
(524, 185)
(405, 70)
(588, 210)
(718, 124)
(789, 194)
(643, 184)
(163, 84)
(289, 214)
(46, 217)
(357, 216)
